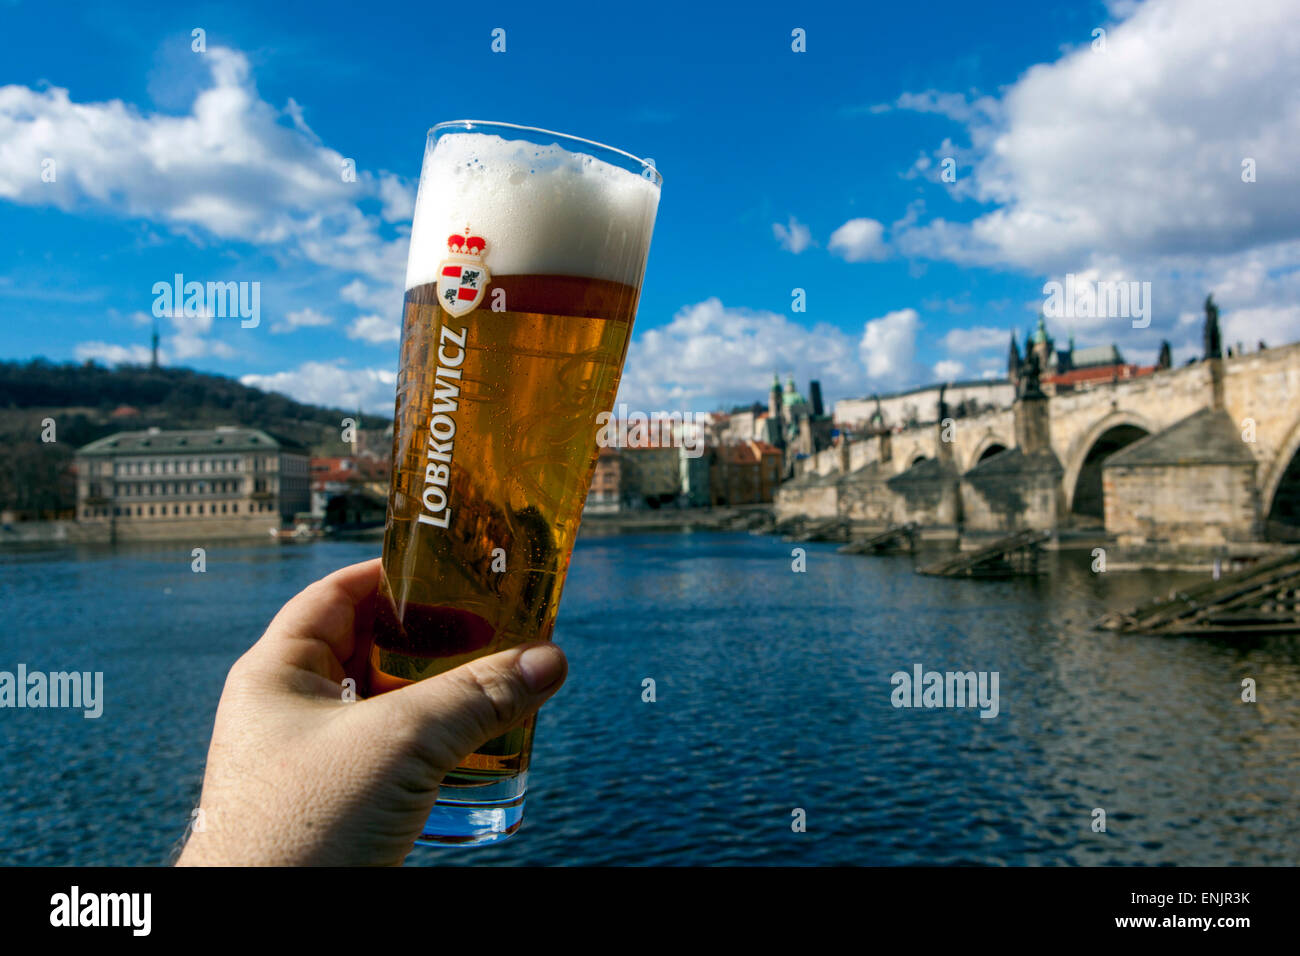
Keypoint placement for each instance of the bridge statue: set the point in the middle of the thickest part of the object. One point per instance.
(1213, 341)
(1028, 385)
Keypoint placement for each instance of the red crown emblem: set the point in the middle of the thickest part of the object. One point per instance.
(466, 244)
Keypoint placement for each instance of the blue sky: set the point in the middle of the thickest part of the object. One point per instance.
(1115, 162)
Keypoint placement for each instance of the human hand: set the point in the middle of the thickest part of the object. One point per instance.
(296, 775)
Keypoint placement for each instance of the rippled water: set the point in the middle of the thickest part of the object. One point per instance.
(773, 694)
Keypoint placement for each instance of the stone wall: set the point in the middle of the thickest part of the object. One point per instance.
(807, 497)
(865, 496)
(1202, 504)
(1013, 492)
(197, 531)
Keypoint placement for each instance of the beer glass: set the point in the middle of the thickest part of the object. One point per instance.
(527, 252)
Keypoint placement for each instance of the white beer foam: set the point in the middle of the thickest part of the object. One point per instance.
(542, 210)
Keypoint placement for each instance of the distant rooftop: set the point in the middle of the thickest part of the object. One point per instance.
(934, 387)
(198, 441)
(1096, 355)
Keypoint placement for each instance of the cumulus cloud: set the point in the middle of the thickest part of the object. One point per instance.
(190, 336)
(949, 370)
(300, 319)
(1128, 162)
(888, 347)
(374, 329)
(1273, 325)
(234, 167)
(711, 355)
(110, 354)
(333, 385)
(974, 109)
(859, 240)
(975, 339)
(795, 237)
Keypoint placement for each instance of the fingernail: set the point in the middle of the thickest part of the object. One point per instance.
(541, 666)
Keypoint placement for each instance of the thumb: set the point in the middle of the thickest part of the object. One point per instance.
(456, 713)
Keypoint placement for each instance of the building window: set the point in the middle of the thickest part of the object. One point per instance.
(187, 509)
(151, 511)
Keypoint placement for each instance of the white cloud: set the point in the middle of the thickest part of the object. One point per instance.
(300, 319)
(333, 385)
(796, 237)
(888, 347)
(859, 240)
(230, 168)
(955, 106)
(191, 337)
(976, 339)
(1128, 162)
(398, 198)
(710, 355)
(949, 370)
(1272, 325)
(110, 354)
(383, 298)
(374, 329)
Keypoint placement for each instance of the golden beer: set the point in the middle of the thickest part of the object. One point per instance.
(501, 380)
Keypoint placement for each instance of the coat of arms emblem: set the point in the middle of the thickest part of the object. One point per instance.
(462, 277)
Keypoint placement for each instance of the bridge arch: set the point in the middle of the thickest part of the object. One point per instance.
(1126, 426)
(1282, 475)
(988, 446)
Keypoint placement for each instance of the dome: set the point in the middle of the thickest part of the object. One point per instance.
(1040, 333)
(792, 396)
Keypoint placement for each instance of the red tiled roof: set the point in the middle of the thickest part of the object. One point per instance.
(1100, 373)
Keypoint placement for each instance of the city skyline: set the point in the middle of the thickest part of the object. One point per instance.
(229, 164)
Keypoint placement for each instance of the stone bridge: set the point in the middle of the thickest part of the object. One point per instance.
(1202, 454)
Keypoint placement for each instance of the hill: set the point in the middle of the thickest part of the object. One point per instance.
(90, 401)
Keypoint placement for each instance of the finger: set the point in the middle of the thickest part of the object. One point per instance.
(315, 630)
(454, 714)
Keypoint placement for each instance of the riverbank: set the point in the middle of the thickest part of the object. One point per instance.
(742, 517)
(760, 518)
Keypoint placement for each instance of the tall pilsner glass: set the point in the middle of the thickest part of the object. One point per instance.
(527, 253)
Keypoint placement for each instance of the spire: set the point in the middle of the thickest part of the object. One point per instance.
(1013, 356)
(153, 363)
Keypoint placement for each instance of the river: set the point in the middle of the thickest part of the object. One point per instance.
(773, 696)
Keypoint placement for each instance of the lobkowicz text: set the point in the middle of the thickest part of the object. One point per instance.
(442, 428)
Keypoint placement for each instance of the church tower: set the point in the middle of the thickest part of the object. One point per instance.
(775, 410)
